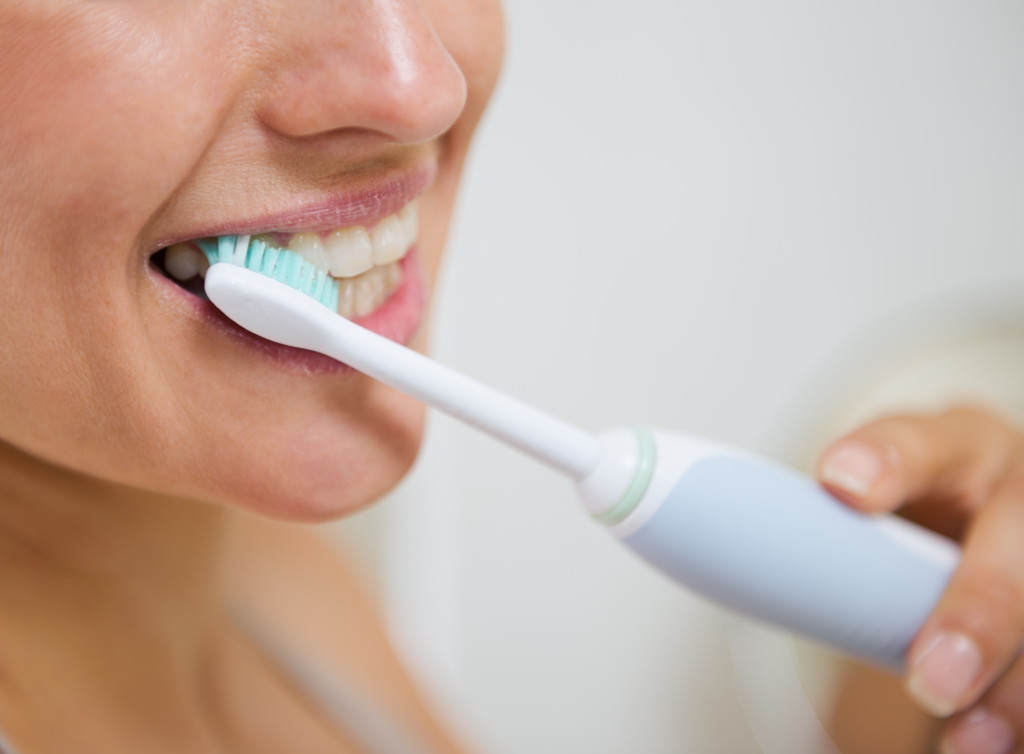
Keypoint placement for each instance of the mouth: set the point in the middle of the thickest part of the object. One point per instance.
(378, 279)
(367, 261)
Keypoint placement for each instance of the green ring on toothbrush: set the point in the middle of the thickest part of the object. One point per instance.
(646, 456)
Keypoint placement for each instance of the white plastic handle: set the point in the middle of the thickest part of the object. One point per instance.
(772, 544)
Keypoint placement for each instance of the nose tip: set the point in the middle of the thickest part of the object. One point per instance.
(379, 67)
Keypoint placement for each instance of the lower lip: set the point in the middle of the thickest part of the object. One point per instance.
(398, 319)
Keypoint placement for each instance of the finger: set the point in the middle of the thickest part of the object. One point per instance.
(975, 631)
(995, 724)
(980, 731)
(956, 457)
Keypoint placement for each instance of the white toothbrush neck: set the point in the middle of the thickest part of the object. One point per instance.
(535, 432)
(279, 313)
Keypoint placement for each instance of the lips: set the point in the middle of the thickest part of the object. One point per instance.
(364, 202)
(371, 258)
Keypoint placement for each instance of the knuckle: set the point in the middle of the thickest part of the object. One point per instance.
(984, 426)
(992, 607)
(970, 414)
(965, 412)
(973, 422)
(969, 490)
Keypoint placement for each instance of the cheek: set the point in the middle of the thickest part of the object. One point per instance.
(93, 133)
(91, 143)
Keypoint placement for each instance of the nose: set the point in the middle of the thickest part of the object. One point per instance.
(373, 65)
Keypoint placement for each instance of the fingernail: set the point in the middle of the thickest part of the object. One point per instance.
(943, 672)
(981, 732)
(853, 466)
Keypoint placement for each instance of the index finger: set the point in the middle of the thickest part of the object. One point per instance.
(955, 458)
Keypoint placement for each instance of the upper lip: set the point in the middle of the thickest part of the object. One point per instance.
(370, 201)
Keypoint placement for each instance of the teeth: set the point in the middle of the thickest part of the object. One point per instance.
(388, 241)
(369, 292)
(309, 247)
(410, 219)
(183, 262)
(364, 264)
(346, 298)
(393, 275)
(352, 251)
(360, 295)
(349, 252)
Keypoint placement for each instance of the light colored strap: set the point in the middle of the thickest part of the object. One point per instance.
(347, 707)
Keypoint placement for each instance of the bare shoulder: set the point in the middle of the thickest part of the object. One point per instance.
(300, 587)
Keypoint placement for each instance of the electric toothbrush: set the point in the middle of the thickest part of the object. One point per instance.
(747, 532)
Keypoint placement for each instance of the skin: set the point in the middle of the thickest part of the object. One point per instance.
(141, 446)
(136, 437)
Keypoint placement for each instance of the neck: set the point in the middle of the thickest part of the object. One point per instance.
(110, 554)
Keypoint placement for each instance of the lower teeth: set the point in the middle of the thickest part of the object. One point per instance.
(360, 295)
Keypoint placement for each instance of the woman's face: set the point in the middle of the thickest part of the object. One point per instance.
(127, 128)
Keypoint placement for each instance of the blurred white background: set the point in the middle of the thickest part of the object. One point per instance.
(759, 222)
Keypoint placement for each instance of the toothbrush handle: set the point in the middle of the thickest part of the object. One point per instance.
(771, 543)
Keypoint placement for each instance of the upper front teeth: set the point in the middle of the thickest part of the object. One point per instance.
(347, 252)
(388, 240)
(344, 252)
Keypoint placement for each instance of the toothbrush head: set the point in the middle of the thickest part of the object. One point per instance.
(267, 307)
(283, 265)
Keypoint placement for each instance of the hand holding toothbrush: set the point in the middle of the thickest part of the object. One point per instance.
(962, 474)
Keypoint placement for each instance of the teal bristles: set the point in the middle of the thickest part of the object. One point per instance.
(282, 265)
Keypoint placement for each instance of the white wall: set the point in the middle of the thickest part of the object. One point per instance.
(730, 217)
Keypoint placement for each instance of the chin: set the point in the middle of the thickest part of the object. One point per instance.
(322, 470)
